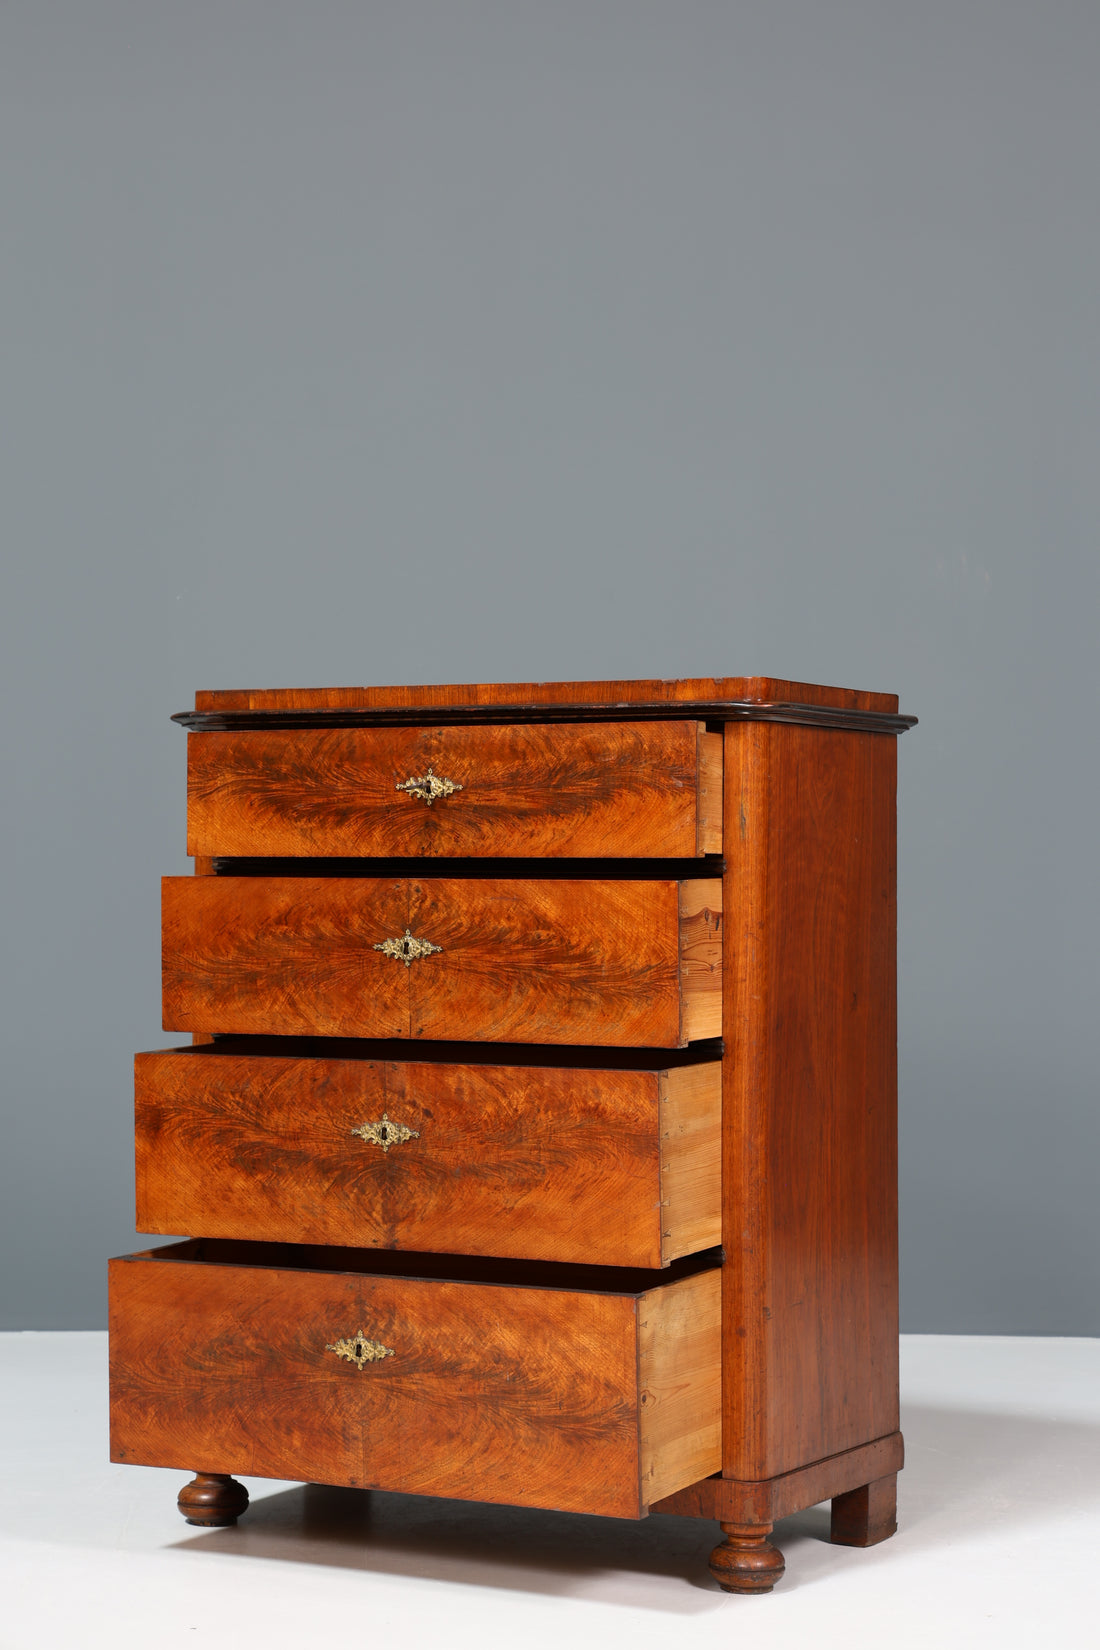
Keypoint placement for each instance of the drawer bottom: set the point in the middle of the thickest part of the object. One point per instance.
(418, 1373)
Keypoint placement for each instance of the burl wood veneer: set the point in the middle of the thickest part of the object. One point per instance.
(610, 791)
(566, 1177)
(591, 1399)
(618, 1167)
(556, 961)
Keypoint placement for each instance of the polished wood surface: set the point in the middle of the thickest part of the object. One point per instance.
(212, 1498)
(701, 958)
(203, 867)
(708, 791)
(613, 694)
(810, 1087)
(679, 1382)
(634, 790)
(520, 961)
(770, 1499)
(745, 1561)
(615, 1167)
(867, 1515)
(690, 1099)
(472, 1207)
(529, 1396)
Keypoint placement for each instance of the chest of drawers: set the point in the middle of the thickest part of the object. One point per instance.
(537, 1139)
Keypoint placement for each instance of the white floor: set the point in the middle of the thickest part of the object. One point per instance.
(999, 1531)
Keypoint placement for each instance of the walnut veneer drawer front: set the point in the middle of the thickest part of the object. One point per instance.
(597, 1399)
(612, 1167)
(651, 789)
(490, 960)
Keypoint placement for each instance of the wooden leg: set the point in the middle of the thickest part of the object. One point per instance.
(746, 1561)
(212, 1498)
(866, 1515)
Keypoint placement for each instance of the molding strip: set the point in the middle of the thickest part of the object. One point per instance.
(701, 710)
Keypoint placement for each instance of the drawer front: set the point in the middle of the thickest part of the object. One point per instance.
(615, 963)
(606, 790)
(609, 1167)
(548, 1397)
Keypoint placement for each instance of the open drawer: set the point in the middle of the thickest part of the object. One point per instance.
(605, 790)
(610, 1160)
(493, 959)
(584, 1389)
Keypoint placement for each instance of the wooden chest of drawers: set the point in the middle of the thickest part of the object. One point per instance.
(537, 1142)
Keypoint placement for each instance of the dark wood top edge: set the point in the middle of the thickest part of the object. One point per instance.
(703, 710)
(668, 690)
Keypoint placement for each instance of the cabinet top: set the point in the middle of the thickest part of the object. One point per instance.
(710, 698)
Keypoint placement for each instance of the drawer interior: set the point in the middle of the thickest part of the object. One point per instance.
(474, 1269)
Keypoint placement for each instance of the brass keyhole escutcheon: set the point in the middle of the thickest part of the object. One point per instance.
(430, 788)
(386, 1134)
(359, 1350)
(406, 948)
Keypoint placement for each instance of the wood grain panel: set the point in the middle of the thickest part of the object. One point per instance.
(521, 960)
(679, 1374)
(810, 1081)
(542, 1163)
(701, 958)
(569, 962)
(691, 1160)
(767, 1500)
(762, 689)
(203, 867)
(611, 790)
(527, 1396)
(283, 954)
(709, 793)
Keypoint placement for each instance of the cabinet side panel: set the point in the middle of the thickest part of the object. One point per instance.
(809, 1095)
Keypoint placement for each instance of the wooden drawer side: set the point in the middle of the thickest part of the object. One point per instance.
(691, 1159)
(680, 1383)
(701, 958)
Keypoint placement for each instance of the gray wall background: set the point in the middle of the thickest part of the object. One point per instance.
(357, 342)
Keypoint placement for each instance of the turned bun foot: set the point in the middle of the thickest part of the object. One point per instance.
(746, 1561)
(212, 1498)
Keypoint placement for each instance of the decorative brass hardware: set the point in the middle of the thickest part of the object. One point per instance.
(385, 1133)
(432, 785)
(359, 1350)
(406, 949)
